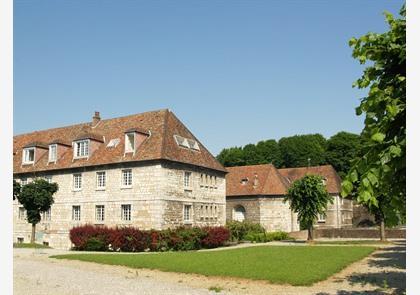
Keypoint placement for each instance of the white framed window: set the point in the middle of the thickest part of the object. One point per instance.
(28, 155)
(341, 200)
(129, 142)
(127, 178)
(81, 148)
(48, 178)
(100, 180)
(75, 213)
(126, 212)
(24, 181)
(100, 212)
(52, 153)
(322, 217)
(77, 181)
(187, 213)
(46, 216)
(187, 179)
(22, 213)
(215, 182)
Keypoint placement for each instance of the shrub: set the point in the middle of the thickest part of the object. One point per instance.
(238, 230)
(95, 244)
(216, 237)
(267, 237)
(80, 236)
(129, 239)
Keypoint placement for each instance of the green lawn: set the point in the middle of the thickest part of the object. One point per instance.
(29, 245)
(296, 265)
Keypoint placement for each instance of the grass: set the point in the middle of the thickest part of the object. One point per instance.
(295, 265)
(216, 289)
(30, 245)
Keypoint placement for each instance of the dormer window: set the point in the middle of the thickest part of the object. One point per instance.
(81, 148)
(244, 181)
(52, 153)
(28, 155)
(129, 142)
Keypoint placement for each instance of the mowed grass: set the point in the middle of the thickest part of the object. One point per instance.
(30, 245)
(295, 265)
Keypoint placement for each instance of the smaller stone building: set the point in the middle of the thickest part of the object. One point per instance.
(256, 193)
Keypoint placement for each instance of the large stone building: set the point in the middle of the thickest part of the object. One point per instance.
(145, 170)
(256, 193)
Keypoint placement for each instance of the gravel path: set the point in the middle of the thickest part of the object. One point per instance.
(383, 272)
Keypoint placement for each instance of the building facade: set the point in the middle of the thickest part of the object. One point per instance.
(146, 170)
(256, 193)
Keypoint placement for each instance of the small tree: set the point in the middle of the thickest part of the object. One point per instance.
(16, 189)
(308, 198)
(37, 197)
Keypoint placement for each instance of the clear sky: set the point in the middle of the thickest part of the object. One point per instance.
(234, 72)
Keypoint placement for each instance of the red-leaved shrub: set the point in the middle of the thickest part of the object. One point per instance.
(129, 239)
(216, 237)
(80, 235)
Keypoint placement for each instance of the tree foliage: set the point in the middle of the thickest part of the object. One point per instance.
(377, 178)
(341, 150)
(37, 197)
(16, 189)
(308, 197)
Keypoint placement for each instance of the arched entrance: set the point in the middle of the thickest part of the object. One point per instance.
(238, 213)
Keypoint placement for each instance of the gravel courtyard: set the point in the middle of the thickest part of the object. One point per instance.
(383, 272)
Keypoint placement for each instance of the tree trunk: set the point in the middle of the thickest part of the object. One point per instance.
(33, 233)
(310, 232)
(382, 230)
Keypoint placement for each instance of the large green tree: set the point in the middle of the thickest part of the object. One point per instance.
(303, 150)
(308, 197)
(377, 178)
(342, 149)
(37, 197)
(16, 189)
(230, 157)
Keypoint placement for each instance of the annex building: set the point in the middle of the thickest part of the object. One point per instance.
(145, 170)
(256, 193)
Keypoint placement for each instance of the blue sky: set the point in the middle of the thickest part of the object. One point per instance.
(234, 72)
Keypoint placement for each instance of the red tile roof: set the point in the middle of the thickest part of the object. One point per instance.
(272, 181)
(261, 180)
(333, 180)
(160, 145)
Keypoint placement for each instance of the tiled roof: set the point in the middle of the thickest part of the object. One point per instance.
(333, 181)
(160, 145)
(254, 180)
(240, 181)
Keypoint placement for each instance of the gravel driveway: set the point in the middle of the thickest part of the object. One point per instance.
(383, 272)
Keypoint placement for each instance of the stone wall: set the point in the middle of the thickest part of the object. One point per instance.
(251, 205)
(156, 197)
(350, 233)
(338, 214)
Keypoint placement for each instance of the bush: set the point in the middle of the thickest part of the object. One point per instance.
(216, 237)
(130, 239)
(238, 230)
(267, 237)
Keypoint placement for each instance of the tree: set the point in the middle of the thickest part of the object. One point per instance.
(37, 197)
(303, 150)
(269, 151)
(308, 197)
(231, 157)
(16, 189)
(377, 177)
(342, 148)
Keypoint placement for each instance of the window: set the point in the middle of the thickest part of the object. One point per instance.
(77, 181)
(29, 155)
(126, 212)
(22, 213)
(48, 178)
(46, 216)
(100, 212)
(322, 217)
(187, 179)
(239, 213)
(81, 149)
(20, 240)
(127, 178)
(215, 182)
(324, 181)
(75, 213)
(100, 180)
(187, 213)
(129, 142)
(342, 201)
(52, 153)
(244, 181)
(24, 181)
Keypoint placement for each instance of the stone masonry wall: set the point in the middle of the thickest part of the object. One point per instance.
(276, 215)
(251, 205)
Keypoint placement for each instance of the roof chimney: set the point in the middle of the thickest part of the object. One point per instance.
(256, 182)
(96, 118)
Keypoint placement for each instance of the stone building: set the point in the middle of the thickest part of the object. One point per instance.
(256, 193)
(145, 170)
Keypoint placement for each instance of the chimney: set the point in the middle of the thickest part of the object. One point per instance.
(256, 182)
(95, 119)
